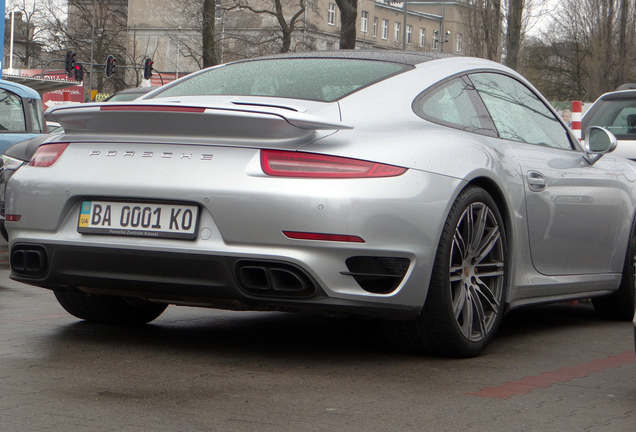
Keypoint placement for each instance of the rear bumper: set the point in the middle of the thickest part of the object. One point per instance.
(186, 278)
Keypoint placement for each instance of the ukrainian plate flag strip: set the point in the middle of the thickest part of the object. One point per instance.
(85, 214)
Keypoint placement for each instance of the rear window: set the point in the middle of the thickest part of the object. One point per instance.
(618, 116)
(324, 80)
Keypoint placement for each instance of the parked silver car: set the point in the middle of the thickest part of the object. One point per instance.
(434, 192)
(616, 111)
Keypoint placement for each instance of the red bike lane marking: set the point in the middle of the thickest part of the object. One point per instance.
(547, 379)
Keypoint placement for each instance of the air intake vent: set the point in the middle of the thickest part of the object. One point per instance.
(378, 275)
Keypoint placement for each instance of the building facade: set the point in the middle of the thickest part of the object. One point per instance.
(169, 33)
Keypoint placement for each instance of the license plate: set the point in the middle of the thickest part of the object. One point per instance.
(138, 219)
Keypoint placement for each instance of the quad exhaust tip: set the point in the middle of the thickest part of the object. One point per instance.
(29, 260)
(273, 279)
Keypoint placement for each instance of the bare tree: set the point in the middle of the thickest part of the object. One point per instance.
(514, 20)
(29, 34)
(496, 27)
(348, 17)
(207, 32)
(224, 30)
(92, 26)
(622, 40)
(482, 22)
(591, 49)
(287, 14)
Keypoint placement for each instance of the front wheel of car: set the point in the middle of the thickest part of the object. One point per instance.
(620, 305)
(465, 300)
(109, 309)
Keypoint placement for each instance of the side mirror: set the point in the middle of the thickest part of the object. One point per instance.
(598, 142)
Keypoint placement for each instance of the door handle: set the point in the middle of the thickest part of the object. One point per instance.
(536, 181)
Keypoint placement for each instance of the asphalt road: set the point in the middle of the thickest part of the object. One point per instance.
(551, 368)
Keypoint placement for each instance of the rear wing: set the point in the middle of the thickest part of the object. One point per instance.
(170, 122)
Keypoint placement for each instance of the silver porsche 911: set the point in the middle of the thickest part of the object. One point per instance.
(434, 192)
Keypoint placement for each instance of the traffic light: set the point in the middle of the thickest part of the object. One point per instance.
(79, 73)
(69, 63)
(110, 66)
(148, 68)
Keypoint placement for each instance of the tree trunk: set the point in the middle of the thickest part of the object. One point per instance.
(280, 15)
(209, 16)
(622, 42)
(348, 17)
(513, 34)
(494, 24)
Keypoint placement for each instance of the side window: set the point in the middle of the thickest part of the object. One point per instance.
(455, 103)
(11, 113)
(37, 115)
(518, 113)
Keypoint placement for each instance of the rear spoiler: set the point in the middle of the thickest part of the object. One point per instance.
(169, 122)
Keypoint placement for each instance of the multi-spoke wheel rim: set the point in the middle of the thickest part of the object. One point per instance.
(477, 271)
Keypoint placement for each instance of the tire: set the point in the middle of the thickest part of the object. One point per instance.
(620, 304)
(465, 301)
(109, 309)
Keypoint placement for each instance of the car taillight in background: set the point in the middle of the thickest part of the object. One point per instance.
(46, 155)
(311, 165)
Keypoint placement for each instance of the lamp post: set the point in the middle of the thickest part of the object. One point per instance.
(11, 45)
(404, 29)
(441, 29)
(178, 50)
(90, 70)
(3, 9)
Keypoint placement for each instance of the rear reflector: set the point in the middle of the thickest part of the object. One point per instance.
(152, 108)
(311, 165)
(12, 218)
(47, 154)
(322, 237)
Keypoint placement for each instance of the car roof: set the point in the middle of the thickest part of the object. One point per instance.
(406, 57)
(629, 86)
(620, 94)
(19, 89)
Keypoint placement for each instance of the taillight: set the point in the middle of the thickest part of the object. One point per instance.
(47, 154)
(298, 164)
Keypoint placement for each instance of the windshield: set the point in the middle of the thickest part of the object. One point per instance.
(318, 79)
(618, 116)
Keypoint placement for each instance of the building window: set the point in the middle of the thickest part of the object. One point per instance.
(409, 33)
(331, 14)
(422, 37)
(375, 27)
(364, 22)
(385, 29)
(397, 31)
(459, 42)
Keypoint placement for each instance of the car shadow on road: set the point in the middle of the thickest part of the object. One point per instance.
(268, 334)
(283, 335)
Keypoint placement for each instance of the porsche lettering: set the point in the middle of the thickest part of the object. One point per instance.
(149, 154)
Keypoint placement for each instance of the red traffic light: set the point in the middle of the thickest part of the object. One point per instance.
(148, 68)
(79, 73)
(110, 66)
